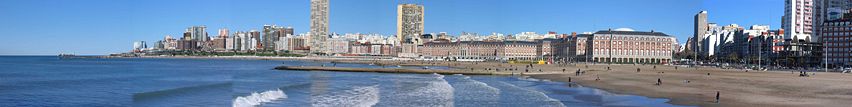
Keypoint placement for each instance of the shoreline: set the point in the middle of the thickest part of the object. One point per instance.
(737, 88)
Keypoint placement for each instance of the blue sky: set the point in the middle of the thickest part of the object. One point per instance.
(49, 27)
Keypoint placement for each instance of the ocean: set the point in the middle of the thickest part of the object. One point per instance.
(148, 82)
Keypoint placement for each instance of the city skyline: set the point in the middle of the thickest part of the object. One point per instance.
(508, 17)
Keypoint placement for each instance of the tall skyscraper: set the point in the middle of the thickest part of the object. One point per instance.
(700, 31)
(270, 36)
(319, 25)
(798, 20)
(409, 23)
(198, 33)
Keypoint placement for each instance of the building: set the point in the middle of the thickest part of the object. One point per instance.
(319, 25)
(481, 50)
(716, 38)
(187, 45)
(838, 41)
(246, 41)
(700, 28)
(198, 33)
(828, 10)
(409, 23)
(581, 46)
(272, 34)
(139, 46)
(798, 20)
(629, 46)
(337, 46)
(169, 43)
(218, 43)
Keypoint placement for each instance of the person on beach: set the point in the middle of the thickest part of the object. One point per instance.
(659, 81)
(577, 73)
(655, 67)
(717, 96)
(675, 67)
(569, 79)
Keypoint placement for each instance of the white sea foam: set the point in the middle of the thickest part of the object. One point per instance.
(528, 78)
(438, 93)
(256, 99)
(490, 88)
(357, 97)
(539, 94)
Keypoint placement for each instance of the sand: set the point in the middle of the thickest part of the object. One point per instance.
(737, 88)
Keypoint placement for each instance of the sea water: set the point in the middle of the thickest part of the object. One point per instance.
(51, 81)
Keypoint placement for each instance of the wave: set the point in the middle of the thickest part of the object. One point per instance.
(259, 98)
(537, 93)
(528, 78)
(357, 97)
(160, 94)
(438, 92)
(490, 88)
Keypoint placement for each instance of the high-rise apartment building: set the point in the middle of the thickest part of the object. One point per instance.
(198, 33)
(271, 34)
(409, 23)
(838, 41)
(319, 25)
(700, 31)
(798, 20)
(828, 10)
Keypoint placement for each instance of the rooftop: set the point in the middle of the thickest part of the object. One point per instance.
(652, 33)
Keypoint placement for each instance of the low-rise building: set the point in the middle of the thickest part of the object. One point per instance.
(629, 46)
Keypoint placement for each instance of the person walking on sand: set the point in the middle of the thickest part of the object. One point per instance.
(659, 81)
(717, 96)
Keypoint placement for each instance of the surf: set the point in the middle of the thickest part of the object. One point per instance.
(356, 97)
(256, 99)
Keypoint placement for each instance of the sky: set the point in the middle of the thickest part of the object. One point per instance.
(97, 27)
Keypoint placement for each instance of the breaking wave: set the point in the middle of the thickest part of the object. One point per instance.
(256, 99)
(438, 93)
(490, 88)
(357, 97)
(539, 94)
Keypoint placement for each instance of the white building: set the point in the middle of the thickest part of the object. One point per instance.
(716, 37)
(139, 46)
(798, 20)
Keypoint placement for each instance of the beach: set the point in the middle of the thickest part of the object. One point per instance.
(737, 88)
(684, 85)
